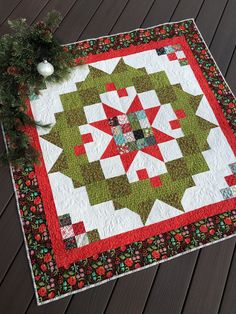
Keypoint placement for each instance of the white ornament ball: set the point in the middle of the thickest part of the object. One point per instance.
(45, 68)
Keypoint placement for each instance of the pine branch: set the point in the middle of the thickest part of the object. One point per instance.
(20, 52)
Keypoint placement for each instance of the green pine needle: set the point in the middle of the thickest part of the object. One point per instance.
(20, 52)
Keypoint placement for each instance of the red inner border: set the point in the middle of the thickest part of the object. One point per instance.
(66, 257)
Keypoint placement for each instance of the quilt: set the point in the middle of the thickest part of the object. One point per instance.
(139, 164)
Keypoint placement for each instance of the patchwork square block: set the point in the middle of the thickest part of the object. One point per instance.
(67, 232)
(132, 127)
(126, 128)
(132, 146)
(116, 130)
(233, 167)
(141, 114)
(129, 137)
(144, 123)
(227, 193)
(70, 243)
(64, 220)
(123, 119)
(161, 51)
(169, 49)
(147, 132)
(119, 139)
(124, 148)
(150, 140)
(113, 121)
(141, 143)
(81, 240)
(138, 134)
(135, 124)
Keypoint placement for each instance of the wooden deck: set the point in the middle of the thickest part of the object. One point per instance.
(201, 282)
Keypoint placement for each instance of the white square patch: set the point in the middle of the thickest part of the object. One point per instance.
(144, 123)
(94, 113)
(112, 167)
(170, 150)
(149, 99)
(67, 232)
(81, 239)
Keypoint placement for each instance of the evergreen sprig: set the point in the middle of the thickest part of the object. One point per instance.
(20, 52)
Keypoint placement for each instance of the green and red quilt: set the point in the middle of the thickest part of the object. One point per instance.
(139, 164)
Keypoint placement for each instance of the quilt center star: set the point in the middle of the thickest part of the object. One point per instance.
(132, 131)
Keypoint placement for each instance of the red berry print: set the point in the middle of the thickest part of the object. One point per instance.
(129, 262)
(100, 271)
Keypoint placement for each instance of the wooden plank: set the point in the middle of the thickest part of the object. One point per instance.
(10, 243)
(161, 12)
(14, 241)
(6, 8)
(187, 9)
(6, 187)
(209, 18)
(224, 41)
(223, 260)
(94, 298)
(58, 307)
(136, 286)
(76, 305)
(109, 11)
(125, 22)
(10, 225)
(77, 19)
(16, 289)
(133, 290)
(92, 301)
(57, 5)
(33, 9)
(209, 277)
(171, 285)
(172, 296)
(228, 300)
(214, 273)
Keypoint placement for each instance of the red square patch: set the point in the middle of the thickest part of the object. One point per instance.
(155, 182)
(231, 179)
(180, 113)
(87, 138)
(110, 87)
(172, 56)
(122, 92)
(79, 150)
(79, 228)
(175, 124)
(126, 128)
(142, 174)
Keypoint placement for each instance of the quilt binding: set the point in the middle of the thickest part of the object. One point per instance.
(39, 303)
